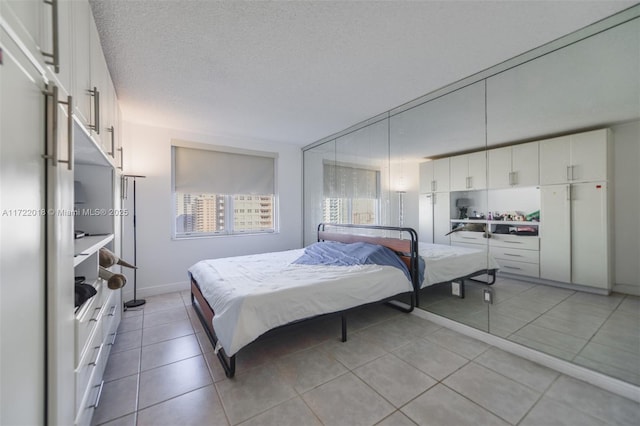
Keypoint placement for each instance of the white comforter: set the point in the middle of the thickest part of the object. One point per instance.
(444, 263)
(253, 294)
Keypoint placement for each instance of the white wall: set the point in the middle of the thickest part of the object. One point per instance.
(162, 261)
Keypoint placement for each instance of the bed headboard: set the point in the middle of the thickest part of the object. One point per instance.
(407, 249)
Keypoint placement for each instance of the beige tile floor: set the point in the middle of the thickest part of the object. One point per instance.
(599, 332)
(396, 369)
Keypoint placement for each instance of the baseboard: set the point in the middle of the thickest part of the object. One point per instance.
(155, 290)
(631, 289)
(603, 381)
(568, 286)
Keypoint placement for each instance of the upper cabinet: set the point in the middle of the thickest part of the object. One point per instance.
(582, 157)
(63, 42)
(469, 171)
(81, 17)
(513, 166)
(434, 176)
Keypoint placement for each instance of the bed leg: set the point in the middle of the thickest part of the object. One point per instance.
(344, 328)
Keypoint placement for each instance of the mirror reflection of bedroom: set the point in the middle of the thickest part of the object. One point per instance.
(527, 172)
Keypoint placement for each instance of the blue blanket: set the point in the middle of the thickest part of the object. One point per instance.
(341, 254)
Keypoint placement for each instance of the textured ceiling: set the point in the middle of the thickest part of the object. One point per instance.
(297, 71)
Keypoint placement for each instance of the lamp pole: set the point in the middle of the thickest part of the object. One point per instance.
(135, 302)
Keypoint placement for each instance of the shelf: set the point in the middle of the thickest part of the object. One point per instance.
(85, 247)
(497, 222)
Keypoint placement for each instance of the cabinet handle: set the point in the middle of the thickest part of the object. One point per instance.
(569, 172)
(512, 242)
(95, 319)
(55, 55)
(121, 157)
(95, 361)
(568, 192)
(113, 341)
(113, 141)
(113, 310)
(55, 159)
(469, 238)
(96, 110)
(468, 181)
(97, 401)
(433, 186)
(511, 267)
(513, 255)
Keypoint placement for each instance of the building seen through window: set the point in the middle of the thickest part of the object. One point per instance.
(207, 213)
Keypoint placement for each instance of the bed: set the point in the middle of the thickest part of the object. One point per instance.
(446, 264)
(240, 298)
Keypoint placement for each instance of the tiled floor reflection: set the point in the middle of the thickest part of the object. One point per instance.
(598, 332)
(396, 369)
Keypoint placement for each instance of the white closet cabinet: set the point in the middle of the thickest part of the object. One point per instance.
(22, 228)
(434, 201)
(574, 245)
(582, 157)
(434, 176)
(81, 62)
(468, 171)
(513, 166)
(434, 218)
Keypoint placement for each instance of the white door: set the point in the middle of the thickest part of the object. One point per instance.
(22, 239)
(589, 156)
(441, 175)
(441, 217)
(478, 170)
(81, 16)
(555, 233)
(459, 172)
(426, 218)
(60, 272)
(524, 160)
(555, 160)
(426, 177)
(499, 167)
(589, 248)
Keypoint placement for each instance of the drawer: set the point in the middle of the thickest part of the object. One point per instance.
(516, 255)
(471, 246)
(112, 314)
(520, 268)
(514, 241)
(87, 323)
(92, 396)
(468, 237)
(88, 365)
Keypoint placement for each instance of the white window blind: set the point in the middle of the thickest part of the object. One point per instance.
(216, 172)
(346, 181)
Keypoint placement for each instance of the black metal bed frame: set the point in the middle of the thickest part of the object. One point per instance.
(490, 272)
(229, 362)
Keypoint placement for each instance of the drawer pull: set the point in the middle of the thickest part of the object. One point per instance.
(113, 341)
(95, 361)
(513, 242)
(513, 255)
(469, 238)
(511, 267)
(97, 401)
(113, 311)
(95, 318)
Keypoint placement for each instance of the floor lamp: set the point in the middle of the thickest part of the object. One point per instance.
(135, 302)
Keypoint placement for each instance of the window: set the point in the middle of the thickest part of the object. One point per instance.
(216, 192)
(351, 194)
